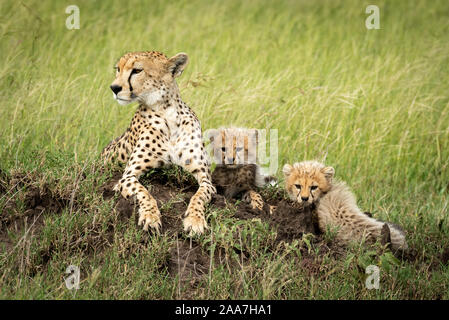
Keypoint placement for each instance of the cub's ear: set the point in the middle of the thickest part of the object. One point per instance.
(328, 173)
(256, 135)
(287, 169)
(177, 63)
(211, 134)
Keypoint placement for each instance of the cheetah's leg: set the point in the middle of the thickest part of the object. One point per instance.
(129, 185)
(254, 199)
(119, 148)
(194, 220)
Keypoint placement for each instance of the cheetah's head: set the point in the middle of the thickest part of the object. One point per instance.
(146, 77)
(306, 182)
(233, 146)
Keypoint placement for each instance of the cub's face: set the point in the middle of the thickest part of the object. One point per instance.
(233, 146)
(146, 77)
(306, 182)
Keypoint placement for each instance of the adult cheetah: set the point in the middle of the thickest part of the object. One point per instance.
(163, 131)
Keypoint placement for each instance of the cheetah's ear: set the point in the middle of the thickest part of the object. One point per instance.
(328, 173)
(287, 169)
(177, 63)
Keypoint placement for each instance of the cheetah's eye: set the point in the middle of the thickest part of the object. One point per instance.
(298, 186)
(136, 71)
(313, 187)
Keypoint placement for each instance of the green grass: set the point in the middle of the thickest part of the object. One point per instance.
(373, 103)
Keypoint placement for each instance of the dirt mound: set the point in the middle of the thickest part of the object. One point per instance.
(27, 198)
(289, 220)
(292, 221)
(188, 261)
(32, 193)
(444, 257)
(24, 202)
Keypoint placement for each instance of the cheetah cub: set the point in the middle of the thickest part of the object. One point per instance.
(311, 182)
(237, 172)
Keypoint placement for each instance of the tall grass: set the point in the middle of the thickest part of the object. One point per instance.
(372, 103)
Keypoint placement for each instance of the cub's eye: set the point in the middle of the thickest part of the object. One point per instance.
(136, 71)
(313, 187)
(298, 186)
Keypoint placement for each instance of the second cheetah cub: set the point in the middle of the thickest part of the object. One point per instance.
(311, 182)
(237, 172)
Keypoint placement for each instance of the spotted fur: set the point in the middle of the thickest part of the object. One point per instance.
(237, 171)
(164, 131)
(311, 183)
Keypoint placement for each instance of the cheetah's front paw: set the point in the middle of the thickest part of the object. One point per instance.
(195, 223)
(150, 218)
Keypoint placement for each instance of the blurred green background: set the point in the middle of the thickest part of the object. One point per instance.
(373, 103)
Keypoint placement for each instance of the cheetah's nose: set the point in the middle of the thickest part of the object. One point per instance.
(116, 89)
(304, 198)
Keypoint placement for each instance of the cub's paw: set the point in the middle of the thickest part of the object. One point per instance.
(195, 224)
(257, 204)
(254, 199)
(150, 217)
